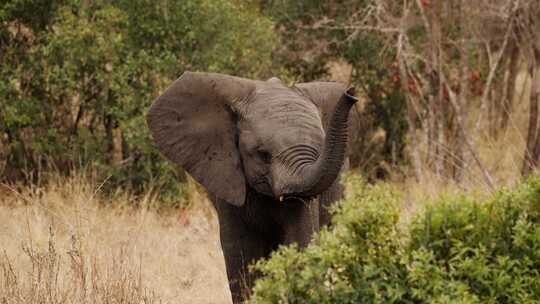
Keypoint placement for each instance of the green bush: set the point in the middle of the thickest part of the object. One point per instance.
(459, 250)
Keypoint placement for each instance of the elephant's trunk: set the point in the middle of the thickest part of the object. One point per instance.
(322, 173)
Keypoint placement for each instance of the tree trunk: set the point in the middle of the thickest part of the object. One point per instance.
(412, 115)
(441, 114)
(510, 89)
(532, 133)
(459, 161)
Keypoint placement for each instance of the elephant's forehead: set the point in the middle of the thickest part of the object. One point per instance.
(282, 105)
(285, 117)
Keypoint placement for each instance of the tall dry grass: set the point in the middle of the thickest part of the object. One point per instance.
(64, 243)
(502, 156)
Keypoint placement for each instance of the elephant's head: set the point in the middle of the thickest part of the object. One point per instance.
(230, 132)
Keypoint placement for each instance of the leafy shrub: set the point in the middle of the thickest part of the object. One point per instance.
(459, 250)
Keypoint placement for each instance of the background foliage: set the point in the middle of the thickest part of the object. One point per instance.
(77, 78)
(459, 250)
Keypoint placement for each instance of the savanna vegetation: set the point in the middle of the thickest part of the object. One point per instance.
(449, 104)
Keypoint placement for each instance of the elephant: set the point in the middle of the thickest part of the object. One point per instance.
(269, 156)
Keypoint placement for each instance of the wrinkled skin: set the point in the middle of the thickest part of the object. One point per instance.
(268, 155)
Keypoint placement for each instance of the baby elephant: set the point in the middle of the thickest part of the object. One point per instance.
(268, 155)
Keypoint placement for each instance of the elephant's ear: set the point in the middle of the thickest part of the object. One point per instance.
(193, 124)
(325, 95)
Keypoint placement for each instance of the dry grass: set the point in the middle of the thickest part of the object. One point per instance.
(60, 243)
(502, 157)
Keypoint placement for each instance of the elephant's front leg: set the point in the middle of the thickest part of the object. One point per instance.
(301, 221)
(242, 246)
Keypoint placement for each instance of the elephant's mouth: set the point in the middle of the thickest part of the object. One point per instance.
(263, 185)
(265, 188)
(292, 197)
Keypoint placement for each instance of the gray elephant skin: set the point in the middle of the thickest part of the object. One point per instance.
(269, 156)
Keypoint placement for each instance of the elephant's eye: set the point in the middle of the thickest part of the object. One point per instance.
(264, 155)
